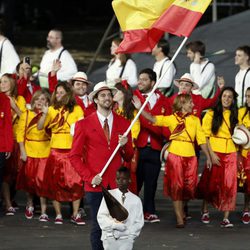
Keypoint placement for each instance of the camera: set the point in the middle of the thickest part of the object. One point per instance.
(26, 59)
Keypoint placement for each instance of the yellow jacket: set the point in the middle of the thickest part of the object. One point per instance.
(221, 142)
(37, 142)
(60, 121)
(183, 143)
(246, 122)
(135, 130)
(21, 104)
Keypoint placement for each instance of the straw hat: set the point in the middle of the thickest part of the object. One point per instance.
(99, 87)
(186, 78)
(241, 136)
(81, 77)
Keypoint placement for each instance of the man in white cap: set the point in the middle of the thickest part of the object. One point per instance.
(96, 138)
(187, 85)
(80, 85)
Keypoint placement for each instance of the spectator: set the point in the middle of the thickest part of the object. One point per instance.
(8, 56)
(56, 51)
(161, 54)
(201, 69)
(242, 79)
(121, 66)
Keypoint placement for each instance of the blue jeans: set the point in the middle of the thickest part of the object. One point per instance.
(94, 200)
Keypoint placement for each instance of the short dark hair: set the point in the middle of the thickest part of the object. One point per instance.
(59, 32)
(164, 45)
(150, 72)
(197, 46)
(124, 170)
(246, 50)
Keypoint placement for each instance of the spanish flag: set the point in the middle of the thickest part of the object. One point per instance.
(143, 22)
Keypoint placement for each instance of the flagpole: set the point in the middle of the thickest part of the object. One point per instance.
(143, 106)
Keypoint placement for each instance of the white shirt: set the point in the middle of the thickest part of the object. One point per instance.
(103, 118)
(153, 99)
(134, 222)
(130, 72)
(160, 67)
(204, 77)
(67, 70)
(85, 100)
(239, 85)
(10, 58)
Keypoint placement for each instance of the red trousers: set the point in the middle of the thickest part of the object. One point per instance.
(222, 186)
(180, 178)
(246, 166)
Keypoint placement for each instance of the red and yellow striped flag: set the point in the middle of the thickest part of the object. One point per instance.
(145, 21)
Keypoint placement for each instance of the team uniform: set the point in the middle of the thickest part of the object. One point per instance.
(181, 166)
(37, 146)
(132, 165)
(245, 153)
(222, 184)
(14, 163)
(60, 176)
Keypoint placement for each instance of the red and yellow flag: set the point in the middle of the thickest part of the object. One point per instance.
(145, 21)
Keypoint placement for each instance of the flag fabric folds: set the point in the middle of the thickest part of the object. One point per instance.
(143, 22)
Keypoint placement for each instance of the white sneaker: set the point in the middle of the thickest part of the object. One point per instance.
(59, 219)
(44, 218)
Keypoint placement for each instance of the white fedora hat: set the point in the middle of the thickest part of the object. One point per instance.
(80, 76)
(241, 136)
(186, 78)
(99, 87)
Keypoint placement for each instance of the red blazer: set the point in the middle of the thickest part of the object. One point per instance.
(90, 141)
(23, 89)
(200, 103)
(6, 132)
(87, 111)
(157, 134)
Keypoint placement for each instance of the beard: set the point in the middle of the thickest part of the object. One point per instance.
(49, 45)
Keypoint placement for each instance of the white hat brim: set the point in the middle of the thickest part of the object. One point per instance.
(177, 83)
(94, 92)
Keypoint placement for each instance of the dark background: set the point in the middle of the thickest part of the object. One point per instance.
(83, 23)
